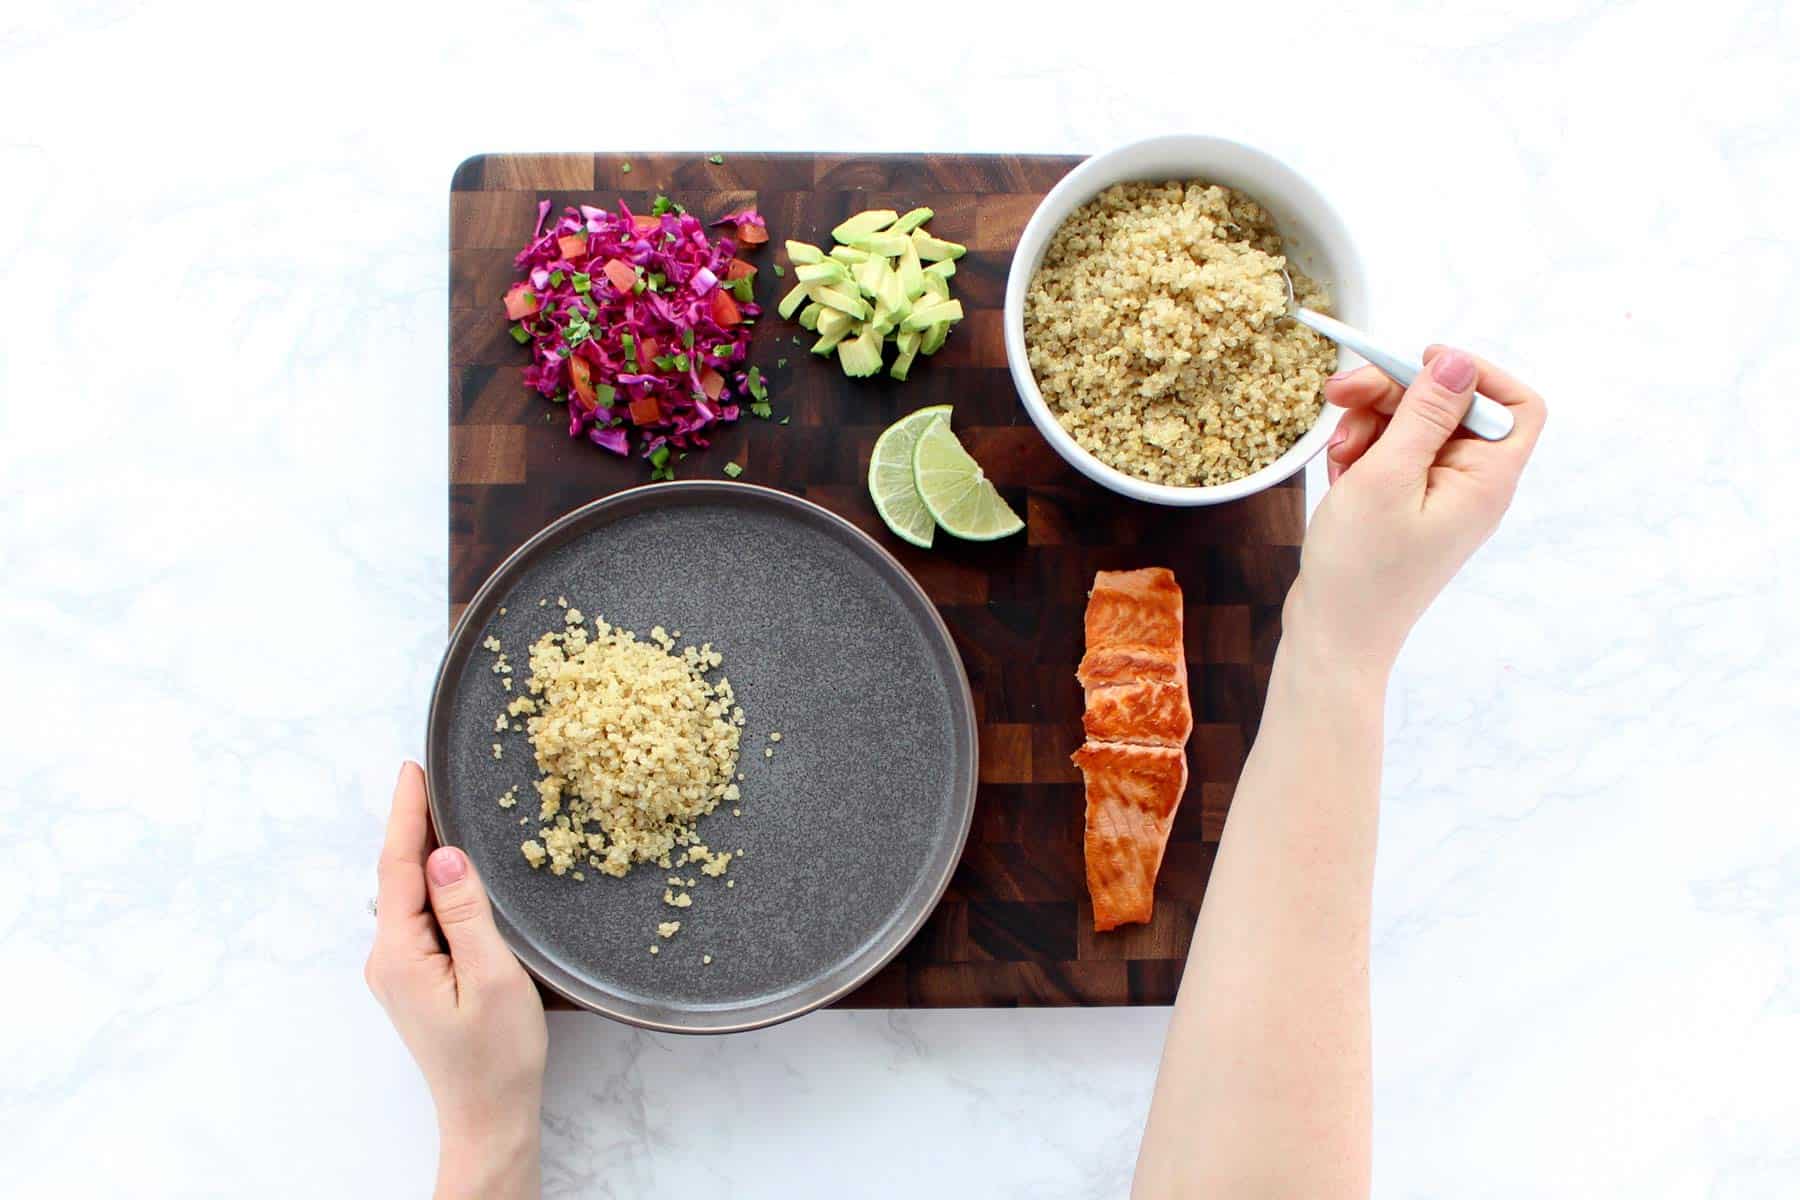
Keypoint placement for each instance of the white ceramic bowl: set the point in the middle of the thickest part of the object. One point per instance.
(1316, 242)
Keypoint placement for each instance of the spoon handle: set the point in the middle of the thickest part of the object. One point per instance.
(1485, 418)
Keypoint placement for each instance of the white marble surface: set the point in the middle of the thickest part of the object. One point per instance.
(222, 518)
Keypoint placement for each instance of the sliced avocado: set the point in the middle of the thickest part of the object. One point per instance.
(868, 276)
(935, 286)
(834, 323)
(934, 338)
(809, 316)
(843, 302)
(800, 253)
(908, 344)
(849, 254)
(825, 345)
(884, 320)
(888, 245)
(826, 273)
(933, 250)
(927, 315)
(790, 303)
(861, 356)
(872, 221)
(912, 220)
(912, 275)
(893, 295)
(943, 270)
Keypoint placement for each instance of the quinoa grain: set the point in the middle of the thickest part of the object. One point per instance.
(1156, 332)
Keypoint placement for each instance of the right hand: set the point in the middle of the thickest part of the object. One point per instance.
(1411, 498)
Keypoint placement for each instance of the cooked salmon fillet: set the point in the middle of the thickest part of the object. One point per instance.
(1137, 722)
(1134, 608)
(1132, 794)
(1155, 714)
(1133, 629)
(1110, 665)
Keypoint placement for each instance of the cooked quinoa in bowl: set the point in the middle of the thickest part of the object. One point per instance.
(1155, 331)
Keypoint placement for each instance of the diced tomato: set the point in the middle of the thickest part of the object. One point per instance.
(646, 224)
(582, 372)
(725, 309)
(622, 276)
(645, 410)
(752, 235)
(521, 301)
(572, 245)
(711, 382)
(647, 350)
(737, 268)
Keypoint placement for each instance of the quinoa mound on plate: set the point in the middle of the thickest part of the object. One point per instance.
(1154, 328)
(634, 743)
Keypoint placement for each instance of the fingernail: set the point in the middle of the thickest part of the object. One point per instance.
(1454, 370)
(446, 865)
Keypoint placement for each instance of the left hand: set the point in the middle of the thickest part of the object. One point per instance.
(463, 1005)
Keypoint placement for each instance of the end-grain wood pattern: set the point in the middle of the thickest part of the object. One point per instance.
(1015, 927)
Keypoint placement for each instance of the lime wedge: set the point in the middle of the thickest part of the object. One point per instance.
(958, 495)
(891, 484)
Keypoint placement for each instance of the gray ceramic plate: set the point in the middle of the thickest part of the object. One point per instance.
(850, 832)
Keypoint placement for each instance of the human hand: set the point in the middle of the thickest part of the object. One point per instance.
(1412, 497)
(471, 1016)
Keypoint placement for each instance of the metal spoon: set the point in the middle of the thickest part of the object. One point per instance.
(1485, 418)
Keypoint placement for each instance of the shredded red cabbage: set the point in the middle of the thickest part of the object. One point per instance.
(627, 327)
(748, 216)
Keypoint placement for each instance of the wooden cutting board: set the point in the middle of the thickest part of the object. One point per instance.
(1015, 926)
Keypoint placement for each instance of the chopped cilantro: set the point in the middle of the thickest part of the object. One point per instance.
(664, 362)
(519, 334)
(780, 362)
(581, 282)
(603, 394)
(659, 463)
(658, 281)
(556, 277)
(716, 160)
(630, 344)
(625, 167)
(681, 362)
(660, 205)
(754, 381)
(784, 420)
(638, 287)
(761, 409)
(733, 470)
(741, 289)
(722, 350)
